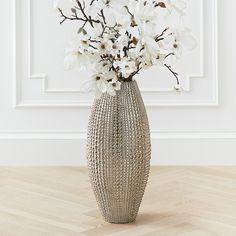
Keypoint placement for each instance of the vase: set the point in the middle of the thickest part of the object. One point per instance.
(118, 153)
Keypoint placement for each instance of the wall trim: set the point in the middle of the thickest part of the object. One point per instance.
(85, 104)
(81, 135)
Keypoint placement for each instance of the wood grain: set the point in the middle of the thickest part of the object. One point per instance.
(179, 201)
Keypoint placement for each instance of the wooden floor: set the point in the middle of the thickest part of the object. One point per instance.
(186, 201)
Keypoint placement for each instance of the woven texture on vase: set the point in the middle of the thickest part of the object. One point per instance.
(118, 153)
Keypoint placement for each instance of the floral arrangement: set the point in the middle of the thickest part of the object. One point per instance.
(117, 39)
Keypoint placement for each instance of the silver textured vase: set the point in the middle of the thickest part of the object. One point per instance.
(118, 153)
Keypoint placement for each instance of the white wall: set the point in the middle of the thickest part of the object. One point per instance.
(43, 115)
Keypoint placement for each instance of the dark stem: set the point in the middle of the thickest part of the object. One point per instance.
(160, 37)
(86, 19)
(170, 54)
(137, 71)
(129, 11)
(75, 17)
(174, 73)
(90, 45)
(103, 17)
(91, 3)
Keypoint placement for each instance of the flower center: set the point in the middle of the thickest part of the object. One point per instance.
(175, 45)
(98, 78)
(103, 46)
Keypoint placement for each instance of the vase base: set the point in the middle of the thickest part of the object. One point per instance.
(120, 221)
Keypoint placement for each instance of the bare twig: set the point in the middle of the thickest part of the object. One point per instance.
(91, 3)
(103, 17)
(90, 45)
(170, 54)
(86, 19)
(129, 11)
(94, 41)
(174, 73)
(74, 17)
(137, 71)
(160, 37)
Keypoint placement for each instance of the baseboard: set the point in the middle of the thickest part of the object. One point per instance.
(40, 148)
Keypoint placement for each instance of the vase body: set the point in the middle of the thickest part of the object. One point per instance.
(118, 153)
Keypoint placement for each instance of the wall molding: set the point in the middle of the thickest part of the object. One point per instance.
(81, 135)
(68, 148)
(19, 103)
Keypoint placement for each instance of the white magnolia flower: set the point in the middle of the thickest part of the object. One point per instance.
(97, 83)
(115, 48)
(123, 19)
(104, 46)
(103, 66)
(127, 67)
(146, 64)
(110, 16)
(123, 39)
(110, 34)
(181, 39)
(113, 86)
(159, 60)
(94, 32)
(141, 56)
(110, 4)
(142, 11)
(110, 75)
(147, 61)
(112, 9)
(76, 56)
(151, 47)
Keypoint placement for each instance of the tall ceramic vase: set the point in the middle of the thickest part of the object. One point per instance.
(118, 153)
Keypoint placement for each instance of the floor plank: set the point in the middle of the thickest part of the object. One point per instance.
(179, 201)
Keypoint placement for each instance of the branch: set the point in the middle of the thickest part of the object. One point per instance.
(174, 73)
(75, 17)
(87, 18)
(128, 47)
(94, 41)
(110, 58)
(103, 16)
(90, 45)
(170, 54)
(129, 11)
(160, 37)
(137, 71)
(91, 3)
